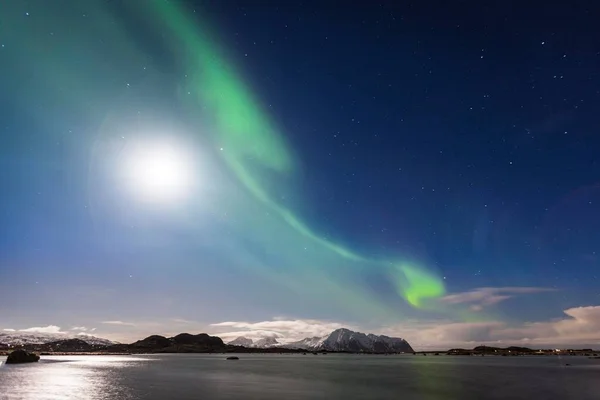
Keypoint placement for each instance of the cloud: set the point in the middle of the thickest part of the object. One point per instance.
(254, 335)
(183, 321)
(488, 296)
(79, 328)
(43, 329)
(283, 330)
(580, 326)
(53, 329)
(118, 323)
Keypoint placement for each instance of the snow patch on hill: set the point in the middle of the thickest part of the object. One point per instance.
(25, 338)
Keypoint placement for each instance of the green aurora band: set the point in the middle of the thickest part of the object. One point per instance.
(81, 73)
(249, 138)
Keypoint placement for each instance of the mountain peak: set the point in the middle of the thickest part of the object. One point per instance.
(241, 341)
(266, 342)
(344, 339)
(342, 330)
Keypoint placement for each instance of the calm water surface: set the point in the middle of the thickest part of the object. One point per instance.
(330, 376)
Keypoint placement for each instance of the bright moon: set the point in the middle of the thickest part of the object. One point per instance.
(159, 172)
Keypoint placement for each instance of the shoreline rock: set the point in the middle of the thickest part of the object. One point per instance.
(21, 356)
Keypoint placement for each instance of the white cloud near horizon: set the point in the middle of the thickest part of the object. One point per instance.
(118, 323)
(577, 327)
(43, 329)
(53, 329)
(183, 321)
(480, 298)
(283, 330)
(79, 328)
(580, 326)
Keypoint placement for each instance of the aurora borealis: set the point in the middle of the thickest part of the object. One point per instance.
(320, 183)
(248, 142)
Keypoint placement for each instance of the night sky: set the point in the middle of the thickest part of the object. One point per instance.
(281, 168)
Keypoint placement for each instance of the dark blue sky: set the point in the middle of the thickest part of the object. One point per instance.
(455, 130)
(464, 136)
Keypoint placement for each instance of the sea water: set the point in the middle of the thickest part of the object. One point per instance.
(297, 376)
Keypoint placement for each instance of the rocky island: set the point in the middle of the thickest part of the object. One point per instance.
(21, 356)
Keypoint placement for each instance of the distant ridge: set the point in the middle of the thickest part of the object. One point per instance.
(242, 341)
(355, 342)
(343, 340)
(31, 338)
(188, 343)
(263, 343)
(340, 340)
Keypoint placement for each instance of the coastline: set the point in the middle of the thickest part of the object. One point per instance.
(593, 355)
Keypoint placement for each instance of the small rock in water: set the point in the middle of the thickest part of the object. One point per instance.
(21, 356)
(233, 358)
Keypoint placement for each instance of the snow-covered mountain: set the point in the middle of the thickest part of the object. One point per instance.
(241, 341)
(24, 338)
(338, 340)
(311, 343)
(396, 345)
(263, 343)
(347, 340)
(266, 342)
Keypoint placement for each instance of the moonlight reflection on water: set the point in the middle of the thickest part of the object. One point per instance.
(210, 376)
